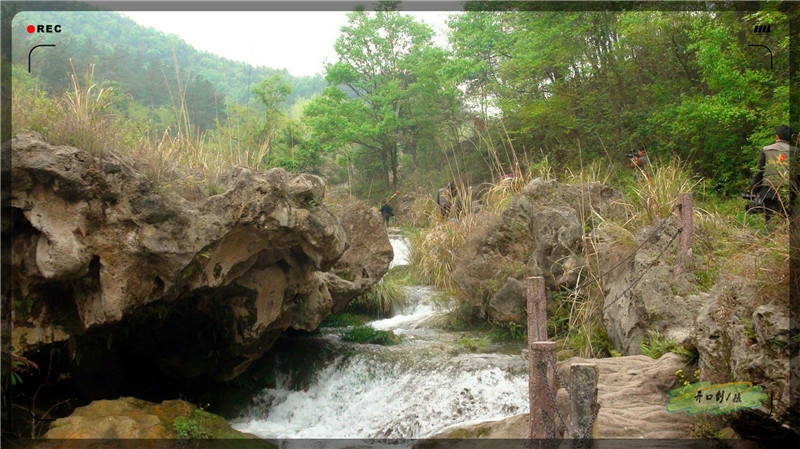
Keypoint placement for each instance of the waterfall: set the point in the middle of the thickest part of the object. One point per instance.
(412, 390)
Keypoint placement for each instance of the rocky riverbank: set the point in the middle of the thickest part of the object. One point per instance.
(114, 286)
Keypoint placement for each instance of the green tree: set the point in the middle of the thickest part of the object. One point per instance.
(387, 64)
(272, 93)
(205, 106)
(733, 107)
(480, 41)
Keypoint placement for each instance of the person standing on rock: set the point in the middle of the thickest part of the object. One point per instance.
(773, 182)
(447, 199)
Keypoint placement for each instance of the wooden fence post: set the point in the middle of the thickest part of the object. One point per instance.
(537, 309)
(541, 371)
(541, 390)
(686, 224)
(583, 403)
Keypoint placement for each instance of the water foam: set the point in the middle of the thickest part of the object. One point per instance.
(413, 390)
(361, 397)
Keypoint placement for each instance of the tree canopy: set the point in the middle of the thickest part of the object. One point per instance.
(570, 85)
(387, 93)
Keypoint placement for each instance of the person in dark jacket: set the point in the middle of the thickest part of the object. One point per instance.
(639, 159)
(386, 209)
(774, 184)
(387, 213)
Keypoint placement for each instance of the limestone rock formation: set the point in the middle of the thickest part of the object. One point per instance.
(735, 338)
(648, 292)
(741, 341)
(508, 305)
(365, 259)
(539, 234)
(128, 278)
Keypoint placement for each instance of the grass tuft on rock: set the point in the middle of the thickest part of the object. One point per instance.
(366, 334)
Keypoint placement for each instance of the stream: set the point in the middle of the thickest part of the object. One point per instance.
(327, 388)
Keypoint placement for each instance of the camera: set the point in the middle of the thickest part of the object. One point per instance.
(755, 203)
(634, 152)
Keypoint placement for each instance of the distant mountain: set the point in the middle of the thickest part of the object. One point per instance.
(139, 61)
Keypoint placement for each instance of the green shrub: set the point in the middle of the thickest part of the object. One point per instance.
(589, 340)
(344, 320)
(511, 331)
(655, 345)
(475, 344)
(368, 334)
(188, 428)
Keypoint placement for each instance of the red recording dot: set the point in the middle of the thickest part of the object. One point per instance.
(31, 29)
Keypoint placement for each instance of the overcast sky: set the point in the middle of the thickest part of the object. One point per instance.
(301, 42)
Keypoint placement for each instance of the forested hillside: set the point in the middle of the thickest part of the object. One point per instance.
(145, 65)
(515, 87)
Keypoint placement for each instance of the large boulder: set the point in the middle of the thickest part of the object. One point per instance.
(740, 340)
(130, 418)
(736, 338)
(539, 234)
(368, 254)
(113, 268)
(648, 292)
(508, 305)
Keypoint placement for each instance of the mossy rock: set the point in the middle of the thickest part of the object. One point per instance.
(131, 418)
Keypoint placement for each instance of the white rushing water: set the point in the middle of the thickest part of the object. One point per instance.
(401, 252)
(412, 390)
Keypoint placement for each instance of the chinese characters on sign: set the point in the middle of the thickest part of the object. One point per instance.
(702, 397)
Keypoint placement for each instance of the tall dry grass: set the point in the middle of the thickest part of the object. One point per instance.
(723, 244)
(176, 159)
(435, 252)
(656, 189)
(82, 116)
(385, 298)
(727, 247)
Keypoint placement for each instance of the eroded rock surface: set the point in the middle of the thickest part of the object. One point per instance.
(116, 269)
(739, 340)
(539, 234)
(632, 393)
(648, 292)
